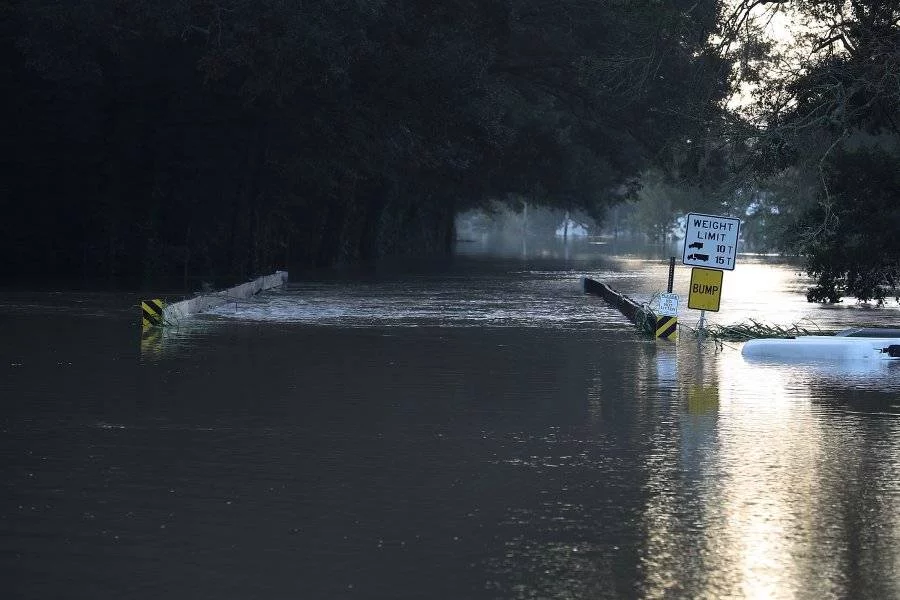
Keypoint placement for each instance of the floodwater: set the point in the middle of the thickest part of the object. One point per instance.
(476, 429)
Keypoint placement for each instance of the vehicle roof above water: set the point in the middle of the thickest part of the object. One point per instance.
(870, 332)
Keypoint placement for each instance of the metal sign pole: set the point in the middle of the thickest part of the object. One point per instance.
(671, 274)
(702, 323)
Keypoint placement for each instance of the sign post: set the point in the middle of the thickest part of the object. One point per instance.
(667, 321)
(710, 246)
(705, 292)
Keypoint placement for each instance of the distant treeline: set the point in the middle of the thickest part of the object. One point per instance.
(160, 138)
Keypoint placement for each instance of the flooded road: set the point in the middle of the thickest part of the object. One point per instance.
(480, 429)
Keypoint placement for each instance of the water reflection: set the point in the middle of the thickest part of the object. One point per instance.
(848, 374)
(158, 343)
(740, 487)
(752, 481)
(486, 431)
(770, 511)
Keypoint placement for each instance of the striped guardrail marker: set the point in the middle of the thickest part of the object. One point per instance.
(666, 327)
(152, 313)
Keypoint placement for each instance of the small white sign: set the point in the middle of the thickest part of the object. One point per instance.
(711, 241)
(668, 305)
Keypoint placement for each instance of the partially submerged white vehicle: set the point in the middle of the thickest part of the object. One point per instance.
(860, 343)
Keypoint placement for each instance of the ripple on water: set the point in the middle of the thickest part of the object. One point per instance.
(544, 303)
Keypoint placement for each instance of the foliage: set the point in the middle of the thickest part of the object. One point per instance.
(656, 205)
(227, 138)
(753, 329)
(826, 143)
(852, 242)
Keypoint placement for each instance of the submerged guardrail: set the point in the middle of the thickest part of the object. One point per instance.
(156, 313)
(640, 314)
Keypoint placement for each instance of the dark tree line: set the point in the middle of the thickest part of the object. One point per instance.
(226, 138)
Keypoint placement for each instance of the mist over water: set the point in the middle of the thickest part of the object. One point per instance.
(479, 430)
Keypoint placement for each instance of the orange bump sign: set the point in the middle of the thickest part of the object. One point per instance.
(706, 289)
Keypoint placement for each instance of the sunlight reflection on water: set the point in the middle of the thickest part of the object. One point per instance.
(491, 432)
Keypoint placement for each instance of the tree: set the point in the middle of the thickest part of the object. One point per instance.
(177, 137)
(857, 248)
(830, 116)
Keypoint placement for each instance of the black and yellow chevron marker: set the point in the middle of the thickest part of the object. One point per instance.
(666, 327)
(152, 313)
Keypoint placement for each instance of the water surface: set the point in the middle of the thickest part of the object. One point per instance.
(480, 429)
